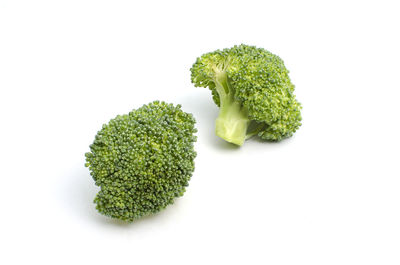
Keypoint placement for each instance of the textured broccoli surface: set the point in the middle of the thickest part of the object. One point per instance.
(143, 160)
(253, 90)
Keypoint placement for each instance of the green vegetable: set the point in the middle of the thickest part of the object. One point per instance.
(253, 90)
(143, 160)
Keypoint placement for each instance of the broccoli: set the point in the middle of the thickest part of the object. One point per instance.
(142, 160)
(253, 90)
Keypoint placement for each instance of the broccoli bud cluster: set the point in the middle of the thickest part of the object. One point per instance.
(143, 160)
(253, 90)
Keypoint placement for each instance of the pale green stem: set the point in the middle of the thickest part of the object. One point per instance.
(232, 122)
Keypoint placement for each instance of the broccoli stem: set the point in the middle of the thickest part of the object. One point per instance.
(233, 121)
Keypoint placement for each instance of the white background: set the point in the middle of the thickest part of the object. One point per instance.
(329, 195)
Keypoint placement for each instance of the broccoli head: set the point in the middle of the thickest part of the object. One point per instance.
(253, 90)
(143, 160)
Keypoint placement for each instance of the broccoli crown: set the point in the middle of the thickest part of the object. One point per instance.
(142, 160)
(257, 84)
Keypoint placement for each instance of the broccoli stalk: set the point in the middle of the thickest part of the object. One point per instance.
(232, 122)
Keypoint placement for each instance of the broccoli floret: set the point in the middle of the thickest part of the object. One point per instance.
(143, 160)
(253, 90)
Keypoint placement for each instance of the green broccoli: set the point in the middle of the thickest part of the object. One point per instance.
(142, 160)
(253, 90)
